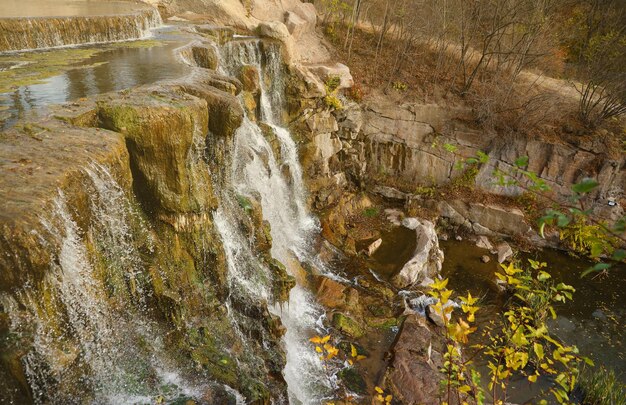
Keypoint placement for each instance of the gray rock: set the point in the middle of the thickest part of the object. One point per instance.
(390, 193)
(427, 259)
(485, 259)
(411, 223)
(504, 252)
(484, 243)
(326, 71)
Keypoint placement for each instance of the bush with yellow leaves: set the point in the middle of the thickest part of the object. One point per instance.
(518, 344)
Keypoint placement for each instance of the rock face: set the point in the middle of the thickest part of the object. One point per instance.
(413, 377)
(428, 258)
(110, 226)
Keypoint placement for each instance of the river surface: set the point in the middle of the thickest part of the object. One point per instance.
(66, 8)
(593, 321)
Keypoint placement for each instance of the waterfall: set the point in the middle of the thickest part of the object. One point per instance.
(106, 336)
(19, 34)
(276, 179)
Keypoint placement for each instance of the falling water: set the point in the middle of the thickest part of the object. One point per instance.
(25, 33)
(107, 350)
(258, 172)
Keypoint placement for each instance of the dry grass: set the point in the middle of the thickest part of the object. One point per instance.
(533, 106)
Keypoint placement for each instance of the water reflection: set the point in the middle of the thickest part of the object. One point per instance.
(111, 70)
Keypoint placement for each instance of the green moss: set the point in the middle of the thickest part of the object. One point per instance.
(353, 380)
(382, 323)
(347, 325)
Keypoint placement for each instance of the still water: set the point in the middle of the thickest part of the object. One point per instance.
(113, 68)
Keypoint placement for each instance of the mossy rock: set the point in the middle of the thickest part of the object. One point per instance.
(283, 282)
(382, 323)
(348, 325)
(353, 380)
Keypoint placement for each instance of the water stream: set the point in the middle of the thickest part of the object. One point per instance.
(258, 172)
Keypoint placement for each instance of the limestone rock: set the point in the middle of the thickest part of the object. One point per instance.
(427, 259)
(484, 243)
(273, 29)
(389, 193)
(489, 218)
(310, 85)
(372, 248)
(504, 252)
(436, 317)
(330, 293)
(200, 55)
(322, 123)
(326, 71)
(411, 223)
(348, 325)
(249, 76)
(446, 211)
(161, 129)
(296, 25)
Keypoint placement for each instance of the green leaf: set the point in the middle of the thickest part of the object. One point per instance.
(619, 255)
(482, 157)
(562, 221)
(450, 148)
(471, 161)
(543, 276)
(597, 267)
(585, 186)
(521, 161)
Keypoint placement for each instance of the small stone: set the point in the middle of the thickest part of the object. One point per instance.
(504, 252)
(484, 243)
(435, 316)
(371, 249)
(458, 238)
(485, 259)
(411, 223)
(598, 314)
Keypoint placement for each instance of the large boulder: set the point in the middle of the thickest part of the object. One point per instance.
(325, 71)
(161, 129)
(413, 377)
(427, 259)
(495, 218)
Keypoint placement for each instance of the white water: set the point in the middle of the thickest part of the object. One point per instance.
(258, 173)
(117, 349)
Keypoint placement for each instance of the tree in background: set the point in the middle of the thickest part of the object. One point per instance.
(596, 44)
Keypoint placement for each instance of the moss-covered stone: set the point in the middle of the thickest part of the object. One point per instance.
(162, 130)
(353, 380)
(347, 325)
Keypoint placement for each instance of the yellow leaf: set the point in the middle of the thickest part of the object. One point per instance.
(361, 357)
(350, 362)
(379, 390)
(439, 284)
(388, 398)
(532, 378)
(325, 339)
(445, 295)
(316, 340)
(318, 349)
(353, 350)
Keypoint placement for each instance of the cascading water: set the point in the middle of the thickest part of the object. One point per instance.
(258, 172)
(107, 350)
(25, 33)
